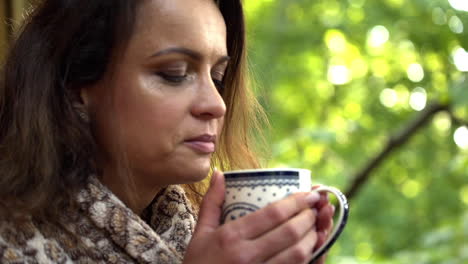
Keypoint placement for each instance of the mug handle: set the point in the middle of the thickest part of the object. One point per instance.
(339, 226)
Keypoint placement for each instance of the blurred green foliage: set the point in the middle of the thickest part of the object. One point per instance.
(338, 78)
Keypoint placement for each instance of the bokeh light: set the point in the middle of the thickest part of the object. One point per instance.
(388, 97)
(418, 99)
(438, 16)
(460, 59)
(411, 188)
(415, 72)
(332, 16)
(335, 40)
(442, 122)
(378, 36)
(461, 5)
(460, 136)
(456, 25)
(338, 74)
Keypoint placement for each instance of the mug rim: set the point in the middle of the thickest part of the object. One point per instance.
(267, 170)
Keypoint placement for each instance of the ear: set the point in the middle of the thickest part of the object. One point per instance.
(84, 96)
(82, 103)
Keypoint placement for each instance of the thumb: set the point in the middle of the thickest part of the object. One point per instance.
(210, 209)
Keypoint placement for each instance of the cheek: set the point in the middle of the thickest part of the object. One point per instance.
(151, 125)
(146, 126)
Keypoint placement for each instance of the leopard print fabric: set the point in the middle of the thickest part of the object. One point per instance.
(104, 230)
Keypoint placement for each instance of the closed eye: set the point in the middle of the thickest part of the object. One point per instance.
(174, 79)
(217, 76)
(219, 85)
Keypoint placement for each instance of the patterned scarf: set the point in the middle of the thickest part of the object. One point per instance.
(104, 230)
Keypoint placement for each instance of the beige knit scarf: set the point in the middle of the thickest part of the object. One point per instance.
(104, 230)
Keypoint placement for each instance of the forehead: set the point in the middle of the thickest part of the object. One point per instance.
(195, 24)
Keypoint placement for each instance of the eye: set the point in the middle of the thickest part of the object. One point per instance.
(174, 72)
(173, 78)
(218, 79)
(219, 85)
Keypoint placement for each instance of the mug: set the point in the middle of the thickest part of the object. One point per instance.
(250, 190)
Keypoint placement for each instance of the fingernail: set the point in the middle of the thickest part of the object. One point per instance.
(312, 198)
(333, 209)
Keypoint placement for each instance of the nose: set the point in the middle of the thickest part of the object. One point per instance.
(208, 103)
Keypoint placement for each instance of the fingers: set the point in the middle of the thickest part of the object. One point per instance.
(323, 200)
(256, 224)
(289, 233)
(325, 217)
(210, 209)
(324, 223)
(321, 238)
(300, 252)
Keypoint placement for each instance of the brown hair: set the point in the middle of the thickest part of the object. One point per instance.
(47, 151)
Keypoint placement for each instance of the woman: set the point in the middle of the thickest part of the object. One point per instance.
(113, 113)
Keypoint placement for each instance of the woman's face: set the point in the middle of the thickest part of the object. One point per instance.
(159, 107)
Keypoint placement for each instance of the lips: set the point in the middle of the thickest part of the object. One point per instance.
(204, 144)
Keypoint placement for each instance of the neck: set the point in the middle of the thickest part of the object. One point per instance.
(135, 194)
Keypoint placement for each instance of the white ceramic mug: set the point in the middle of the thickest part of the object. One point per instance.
(250, 190)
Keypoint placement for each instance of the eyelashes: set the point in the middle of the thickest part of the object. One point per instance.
(179, 79)
(219, 84)
(173, 78)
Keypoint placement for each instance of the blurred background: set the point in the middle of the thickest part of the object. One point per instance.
(372, 96)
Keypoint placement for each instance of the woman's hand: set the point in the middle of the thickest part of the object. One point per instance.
(282, 232)
(324, 221)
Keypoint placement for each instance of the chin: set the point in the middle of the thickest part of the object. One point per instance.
(193, 172)
(198, 174)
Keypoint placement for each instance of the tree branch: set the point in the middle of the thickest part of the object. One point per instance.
(395, 141)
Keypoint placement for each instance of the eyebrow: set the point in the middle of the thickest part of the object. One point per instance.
(188, 52)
